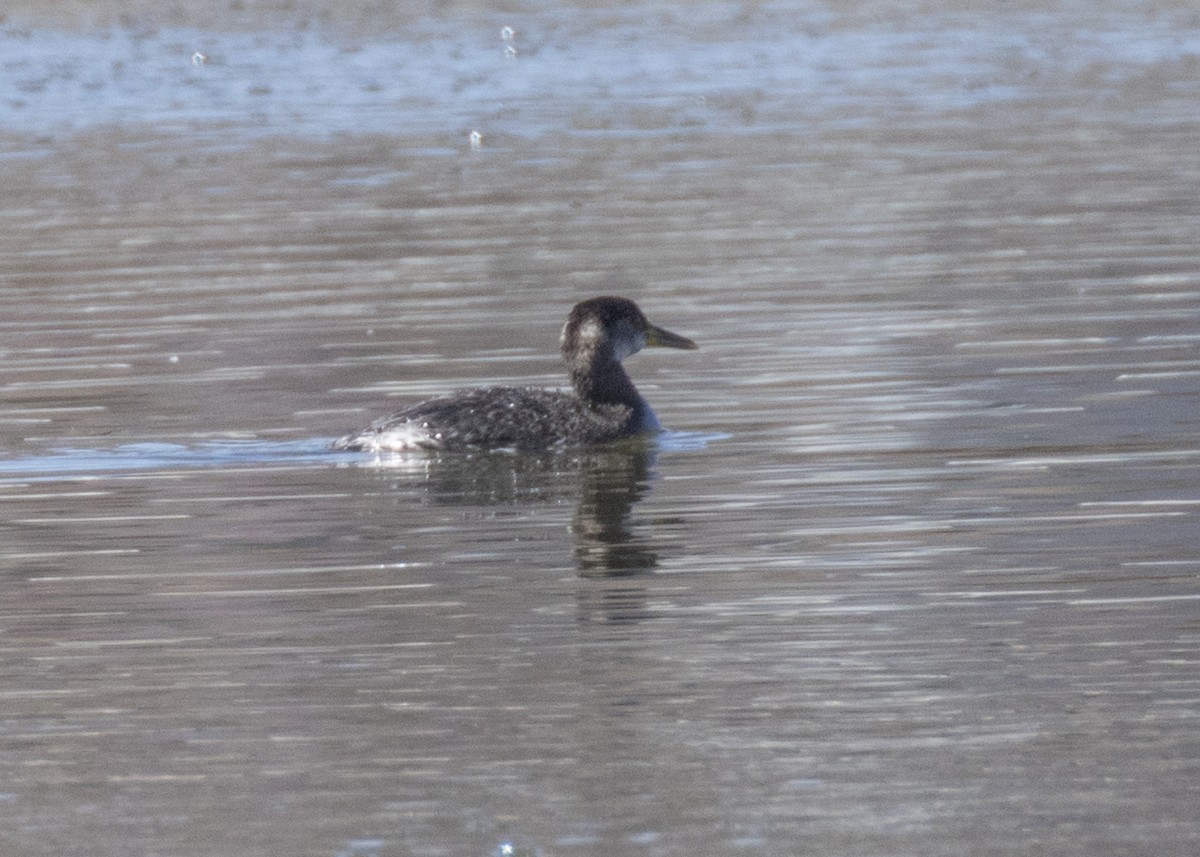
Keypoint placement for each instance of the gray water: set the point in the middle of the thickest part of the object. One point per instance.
(913, 572)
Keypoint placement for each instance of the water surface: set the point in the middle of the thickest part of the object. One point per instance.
(913, 572)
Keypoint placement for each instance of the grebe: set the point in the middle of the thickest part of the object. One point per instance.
(604, 404)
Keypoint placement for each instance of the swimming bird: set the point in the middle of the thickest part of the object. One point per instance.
(603, 405)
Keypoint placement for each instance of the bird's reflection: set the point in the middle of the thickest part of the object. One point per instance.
(612, 481)
(605, 483)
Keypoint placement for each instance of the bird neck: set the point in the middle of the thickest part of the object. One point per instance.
(600, 379)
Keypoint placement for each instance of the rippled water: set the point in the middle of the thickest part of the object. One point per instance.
(914, 571)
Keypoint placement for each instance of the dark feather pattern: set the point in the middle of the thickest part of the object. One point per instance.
(522, 418)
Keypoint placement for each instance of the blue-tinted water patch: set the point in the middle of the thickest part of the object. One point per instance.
(72, 462)
(688, 441)
(449, 77)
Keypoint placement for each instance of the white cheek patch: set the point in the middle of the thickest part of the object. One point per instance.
(625, 341)
(591, 331)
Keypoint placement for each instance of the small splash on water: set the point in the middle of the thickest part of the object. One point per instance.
(415, 460)
(508, 35)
